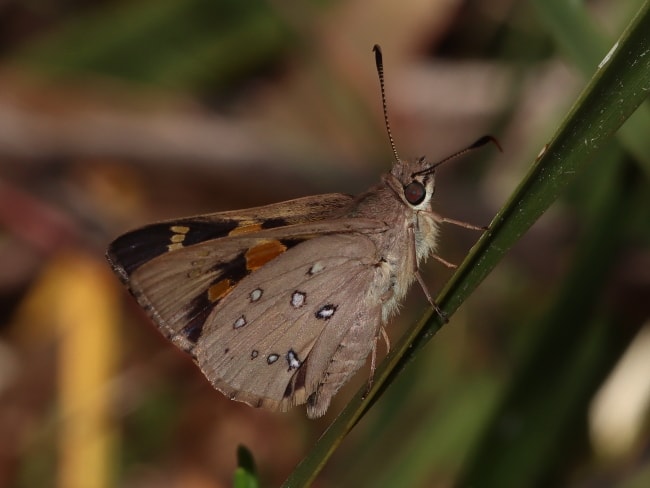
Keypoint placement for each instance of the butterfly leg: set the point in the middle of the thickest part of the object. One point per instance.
(444, 262)
(386, 339)
(423, 285)
(459, 223)
(373, 357)
(373, 365)
(432, 302)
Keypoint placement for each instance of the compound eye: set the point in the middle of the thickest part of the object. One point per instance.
(415, 192)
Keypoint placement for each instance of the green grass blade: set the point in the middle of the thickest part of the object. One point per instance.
(246, 473)
(619, 86)
(577, 35)
(573, 346)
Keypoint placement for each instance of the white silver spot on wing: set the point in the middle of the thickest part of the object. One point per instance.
(292, 359)
(326, 311)
(256, 294)
(317, 267)
(272, 358)
(254, 353)
(240, 322)
(298, 299)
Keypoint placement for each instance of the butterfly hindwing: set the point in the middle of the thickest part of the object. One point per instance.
(273, 340)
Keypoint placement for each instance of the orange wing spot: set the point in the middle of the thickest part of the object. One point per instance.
(258, 256)
(245, 229)
(220, 290)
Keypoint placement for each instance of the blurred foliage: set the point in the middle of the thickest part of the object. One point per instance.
(184, 44)
(502, 397)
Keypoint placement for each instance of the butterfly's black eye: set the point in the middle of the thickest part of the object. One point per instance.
(415, 192)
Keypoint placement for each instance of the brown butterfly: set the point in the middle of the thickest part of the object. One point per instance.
(280, 305)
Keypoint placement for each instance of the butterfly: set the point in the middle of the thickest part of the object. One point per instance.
(280, 305)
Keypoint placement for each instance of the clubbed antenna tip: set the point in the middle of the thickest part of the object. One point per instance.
(475, 145)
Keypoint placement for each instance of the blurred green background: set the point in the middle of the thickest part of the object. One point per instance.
(114, 114)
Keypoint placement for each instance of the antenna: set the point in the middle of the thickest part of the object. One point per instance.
(475, 145)
(380, 71)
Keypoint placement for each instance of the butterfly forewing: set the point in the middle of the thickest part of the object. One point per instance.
(180, 288)
(197, 258)
(133, 249)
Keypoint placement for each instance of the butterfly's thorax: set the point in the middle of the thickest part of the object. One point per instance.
(410, 237)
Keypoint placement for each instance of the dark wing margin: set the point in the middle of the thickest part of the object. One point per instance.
(131, 250)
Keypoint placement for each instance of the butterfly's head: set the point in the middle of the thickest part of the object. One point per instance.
(413, 181)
